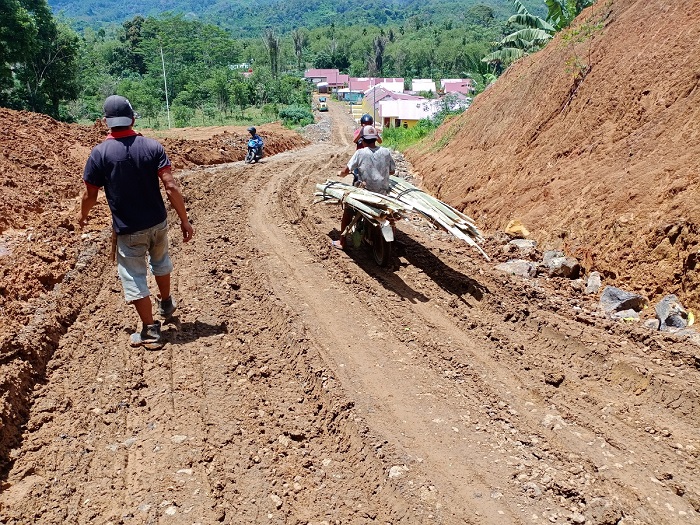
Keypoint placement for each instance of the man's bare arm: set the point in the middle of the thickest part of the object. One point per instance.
(88, 200)
(172, 190)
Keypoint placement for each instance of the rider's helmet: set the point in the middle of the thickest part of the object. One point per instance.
(252, 130)
(366, 120)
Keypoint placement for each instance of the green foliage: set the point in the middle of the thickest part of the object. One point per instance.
(402, 138)
(249, 19)
(536, 33)
(296, 116)
(37, 57)
(576, 65)
(18, 31)
(562, 12)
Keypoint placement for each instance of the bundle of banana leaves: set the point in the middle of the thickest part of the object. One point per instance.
(438, 213)
(402, 199)
(373, 205)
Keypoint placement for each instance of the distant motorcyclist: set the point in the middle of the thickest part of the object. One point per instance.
(365, 120)
(258, 142)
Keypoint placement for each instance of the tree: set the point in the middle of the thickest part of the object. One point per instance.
(272, 43)
(377, 59)
(48, 74)
(17, 36)
(300, 39)
(536, 33)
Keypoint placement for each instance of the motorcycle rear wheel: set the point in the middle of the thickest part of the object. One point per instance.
(381, 248)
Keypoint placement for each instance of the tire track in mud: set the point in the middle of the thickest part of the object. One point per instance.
(237, 420)
(555, 433)
(296, 377)
(586, 446)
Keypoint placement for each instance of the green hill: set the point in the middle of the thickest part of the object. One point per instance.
(247, 17)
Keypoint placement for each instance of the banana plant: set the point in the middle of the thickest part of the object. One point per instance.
(536, 33)
(562, 12)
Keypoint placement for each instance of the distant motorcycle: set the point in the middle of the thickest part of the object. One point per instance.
(255, 151)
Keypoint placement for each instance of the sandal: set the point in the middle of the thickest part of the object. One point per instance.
(149, 337)
(166, 307)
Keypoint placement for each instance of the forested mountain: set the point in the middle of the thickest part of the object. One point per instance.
(249, 17)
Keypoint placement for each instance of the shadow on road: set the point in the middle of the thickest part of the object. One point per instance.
(178, 333)
(448, 279)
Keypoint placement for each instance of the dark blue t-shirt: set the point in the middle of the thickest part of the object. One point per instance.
(127, 167)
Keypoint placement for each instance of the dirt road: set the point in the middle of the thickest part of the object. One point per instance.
(306, 385)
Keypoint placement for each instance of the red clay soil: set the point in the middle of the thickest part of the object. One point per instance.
(605, 164)
(305, 385)
(41, 165)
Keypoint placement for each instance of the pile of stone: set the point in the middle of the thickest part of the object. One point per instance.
(617, 304)
(319, 131)
(554, 263)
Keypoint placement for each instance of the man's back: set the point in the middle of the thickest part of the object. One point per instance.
(127, 167)
(374, 164)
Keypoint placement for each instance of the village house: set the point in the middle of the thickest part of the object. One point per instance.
(357, 86)
(423, 85)
(374, 96)
(406, 113)
(465, 86)
(326, 80)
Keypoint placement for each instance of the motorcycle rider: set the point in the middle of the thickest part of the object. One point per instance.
(365, 120)
(258, 142)
(374, 164)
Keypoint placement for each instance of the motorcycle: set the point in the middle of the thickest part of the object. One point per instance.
(376, 234)
(254, 152)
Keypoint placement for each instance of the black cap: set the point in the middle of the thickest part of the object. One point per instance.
(118, 112)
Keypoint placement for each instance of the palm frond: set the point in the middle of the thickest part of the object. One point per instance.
(505, 55)
(534, 37)
(528, 20)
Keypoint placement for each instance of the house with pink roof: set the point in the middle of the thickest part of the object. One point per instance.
(331, 77)
(362, 84)
(465, 86)
(374, 96)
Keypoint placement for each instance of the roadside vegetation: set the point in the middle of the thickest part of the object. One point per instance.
(402, 138)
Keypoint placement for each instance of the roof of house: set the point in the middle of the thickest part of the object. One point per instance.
(365, 83)
(378, 93)
(408, 109)
(464, 86)
(332, 76)
(423, 84)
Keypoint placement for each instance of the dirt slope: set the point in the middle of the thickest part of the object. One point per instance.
(608, 166)
(303, 385)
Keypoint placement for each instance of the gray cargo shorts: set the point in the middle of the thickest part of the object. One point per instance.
(132, 249)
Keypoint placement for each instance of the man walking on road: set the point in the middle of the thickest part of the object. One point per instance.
(129, 167)
(374, 164)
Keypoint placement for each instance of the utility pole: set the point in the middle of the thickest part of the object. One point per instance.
(165, 83)
(374, 102)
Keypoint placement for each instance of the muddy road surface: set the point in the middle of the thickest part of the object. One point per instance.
(304, 385)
